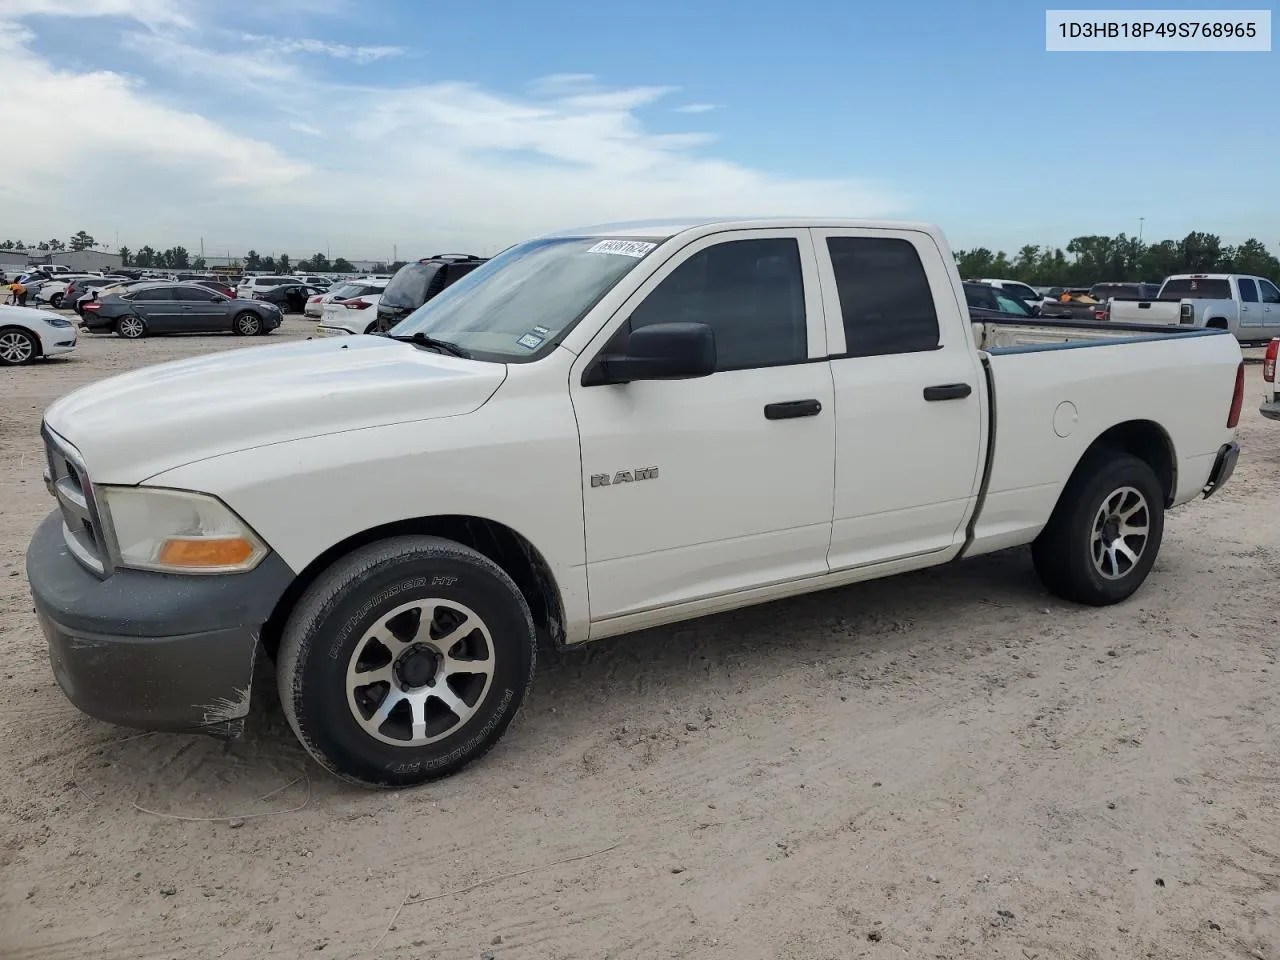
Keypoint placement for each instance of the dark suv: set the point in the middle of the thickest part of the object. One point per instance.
(416, 283)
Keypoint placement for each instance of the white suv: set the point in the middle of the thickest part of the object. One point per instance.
(251, 285)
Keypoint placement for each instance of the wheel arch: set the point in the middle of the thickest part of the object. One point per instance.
(509, 549)
(1144, 439)
(29, 332)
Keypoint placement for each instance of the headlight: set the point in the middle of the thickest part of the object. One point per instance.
(57, 321)
(175, 531)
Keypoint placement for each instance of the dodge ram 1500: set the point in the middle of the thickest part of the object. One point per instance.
(596, 431)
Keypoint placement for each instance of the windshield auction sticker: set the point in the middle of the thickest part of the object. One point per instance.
(1167, 31)
(624, 248)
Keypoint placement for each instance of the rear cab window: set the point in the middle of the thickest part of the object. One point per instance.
(885, 298)
(1196, 288)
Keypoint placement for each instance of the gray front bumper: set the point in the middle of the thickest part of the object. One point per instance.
(151, 650)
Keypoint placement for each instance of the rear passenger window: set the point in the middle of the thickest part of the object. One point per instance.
(1248, 291)
(885, 298)
(751, 294)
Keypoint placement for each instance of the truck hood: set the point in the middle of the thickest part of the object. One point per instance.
(133, 426)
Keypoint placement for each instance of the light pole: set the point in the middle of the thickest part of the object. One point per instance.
(1141, 220)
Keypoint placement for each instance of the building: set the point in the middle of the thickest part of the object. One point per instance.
(83, 260)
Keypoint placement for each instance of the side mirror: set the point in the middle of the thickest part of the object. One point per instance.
(660, 351)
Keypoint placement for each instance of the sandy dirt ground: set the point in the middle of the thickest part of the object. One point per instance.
(944, 765)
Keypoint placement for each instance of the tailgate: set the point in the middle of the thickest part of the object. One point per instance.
(1146, 311)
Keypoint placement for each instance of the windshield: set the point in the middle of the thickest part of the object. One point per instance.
(1196, 288)
(527, 297)
(408, 288)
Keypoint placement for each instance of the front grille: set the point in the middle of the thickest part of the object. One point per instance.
(69, 483)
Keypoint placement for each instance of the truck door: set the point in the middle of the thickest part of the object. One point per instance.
(704, 487)
(1251, 314)
(910, 396)
(1270, 296)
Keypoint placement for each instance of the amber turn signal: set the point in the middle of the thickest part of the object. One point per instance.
(205, 552)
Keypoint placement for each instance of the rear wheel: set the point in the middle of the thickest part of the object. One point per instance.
(1104, 535)
(248, 324)
(131, 328)
(17, 347)
(56, 301)
(405, 661)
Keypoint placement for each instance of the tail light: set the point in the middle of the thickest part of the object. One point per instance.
(1186, 314)
(92, 305)
(315, 299)
(357, 304)
(1237, 399)
(1100, 313)
(1269, 361)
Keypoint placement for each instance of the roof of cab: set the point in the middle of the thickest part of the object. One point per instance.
(670, 227)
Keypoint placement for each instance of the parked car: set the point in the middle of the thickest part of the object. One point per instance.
(1248, 306)
(1103, 292)
(991, 303)
(77, 288)
(54, 291)
(416, 283)
(27, 334)
(1019, 289)
(165, 307)
(289, 297)
(248, 286)
(364, 287)
(1271, 398)
(519, 490)
(313, 281)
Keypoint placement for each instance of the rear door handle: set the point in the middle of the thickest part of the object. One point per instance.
(948, 391)
(790, 409)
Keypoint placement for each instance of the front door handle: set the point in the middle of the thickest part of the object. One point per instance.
(948, 391)
(790, 409)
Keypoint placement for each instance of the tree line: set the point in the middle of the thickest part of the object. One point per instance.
(1100, 259)
(1084, 261)
(179, 258)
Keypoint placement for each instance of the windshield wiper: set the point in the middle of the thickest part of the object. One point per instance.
(442, 346)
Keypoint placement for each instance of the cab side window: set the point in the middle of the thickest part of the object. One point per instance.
(1269, 292)
(751, 294)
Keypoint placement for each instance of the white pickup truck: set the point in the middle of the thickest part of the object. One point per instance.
(1248, 307)
(594, 432)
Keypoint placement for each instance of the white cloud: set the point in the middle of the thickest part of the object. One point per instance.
(153, 13)
(696, 108)
(339, 51)
(357, 167)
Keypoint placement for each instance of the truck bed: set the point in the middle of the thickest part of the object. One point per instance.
(999, 336)
(1055, 387)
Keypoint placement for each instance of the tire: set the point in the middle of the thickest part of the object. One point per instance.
(131, 328)
(17, 347)
(371, 328)
(340, 624)
(247, 324)
(56, 301)
(1071, 555)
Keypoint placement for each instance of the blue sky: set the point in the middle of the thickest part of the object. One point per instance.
(289, 125)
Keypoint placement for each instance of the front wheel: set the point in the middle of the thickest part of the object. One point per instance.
(17, 347)
(405, 661)
(1104, 534)
(248, 324)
